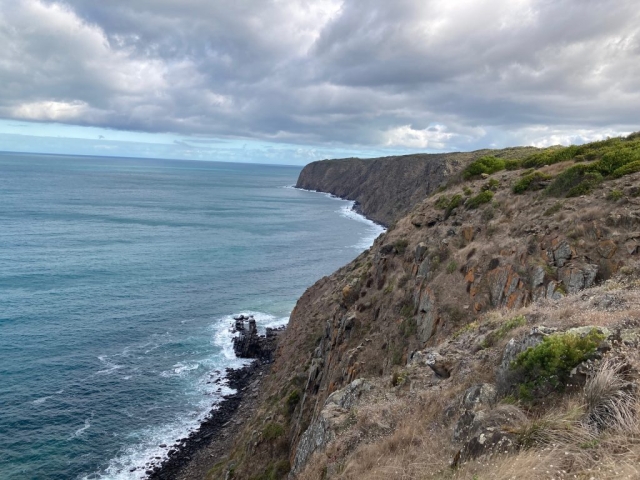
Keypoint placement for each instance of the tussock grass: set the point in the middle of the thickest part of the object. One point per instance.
(610, 399)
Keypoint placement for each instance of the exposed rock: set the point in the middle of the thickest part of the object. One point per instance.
(607, 248)
(481, 395)
(425, 268)
(347, 397)
(427, 314)
(316, 437)
(561, 252)
(332, 415)
(577, 277)
(421, 249)
(632, 247)
(248, 344)
(486, 432)
(537, 276)
(506, 288)
(441, 365)
(468, 234)
(586, 330)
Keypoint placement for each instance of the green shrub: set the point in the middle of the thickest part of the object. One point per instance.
(407, 310)
(401, 246)
(293, 399)
(396, 355)
(512, 164)
(617, 159)
(408, 327)
(467, 191)
(627, 169)
(615, 195)
(488, 165)
(551, 361)
(398, 378)
(533, 181)
(481, 198)
(574, 181)
(442, 202)
(497, 335)
(550, 156)
(492, 185)
(271, 431)
(275, 471)
(454, 203)
(449, 204)
(511, 324)
(611, 158)
(452, 267)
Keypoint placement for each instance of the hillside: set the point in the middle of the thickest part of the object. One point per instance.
(385, 189)
(492, 332)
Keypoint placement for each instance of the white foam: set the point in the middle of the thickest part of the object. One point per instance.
(374, 230)
(111, 367)
(347, 211)
(209, 389)
(179, 369)
(81, 430)
(40, 401)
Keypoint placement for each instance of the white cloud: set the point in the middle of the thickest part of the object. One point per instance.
(328, 72)
(435, 137)
(52, 111)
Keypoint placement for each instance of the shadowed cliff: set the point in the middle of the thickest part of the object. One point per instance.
(386, 188)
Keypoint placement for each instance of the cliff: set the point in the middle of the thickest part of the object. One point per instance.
(385, 189)
(492, 332)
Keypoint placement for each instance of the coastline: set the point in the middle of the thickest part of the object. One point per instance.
(182, 461)
(195, 455)
(355, 206)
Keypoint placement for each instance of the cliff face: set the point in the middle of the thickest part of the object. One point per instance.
(385, 189)
(402, 360)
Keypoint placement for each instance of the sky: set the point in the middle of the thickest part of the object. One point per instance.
(292, 81)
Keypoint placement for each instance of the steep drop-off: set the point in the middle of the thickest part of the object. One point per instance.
(408, 362)
(385, 189)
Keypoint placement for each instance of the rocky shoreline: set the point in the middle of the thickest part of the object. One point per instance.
(225, 414)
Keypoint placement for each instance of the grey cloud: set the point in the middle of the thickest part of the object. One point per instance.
(414, 73)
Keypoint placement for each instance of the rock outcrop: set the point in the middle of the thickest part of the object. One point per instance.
(249, 344)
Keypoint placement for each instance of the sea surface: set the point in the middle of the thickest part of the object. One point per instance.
(118, 282)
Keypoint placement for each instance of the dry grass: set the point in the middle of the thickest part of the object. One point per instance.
(609, 398)
(588, 307)
(391, 438)
(594, 433)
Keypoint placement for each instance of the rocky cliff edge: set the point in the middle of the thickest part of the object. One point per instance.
(492, 332)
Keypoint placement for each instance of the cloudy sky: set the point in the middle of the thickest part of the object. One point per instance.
(290, 81)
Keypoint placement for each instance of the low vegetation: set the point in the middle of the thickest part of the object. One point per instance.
(486, 165)
(480, 199)
(533, 181)
(593, 162)
(448, 204)
(501, 332)
(550, 362)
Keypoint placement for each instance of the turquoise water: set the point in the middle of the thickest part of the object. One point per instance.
(118, 279)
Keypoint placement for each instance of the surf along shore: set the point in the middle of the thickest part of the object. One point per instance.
(191, 456)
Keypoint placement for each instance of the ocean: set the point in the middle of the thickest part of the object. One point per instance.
(118, 282)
